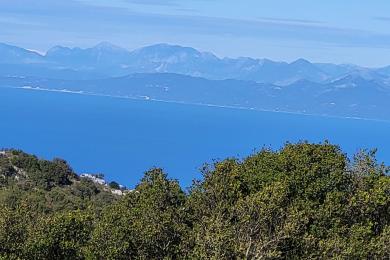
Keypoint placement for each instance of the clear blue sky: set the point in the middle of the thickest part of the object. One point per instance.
(340, 31)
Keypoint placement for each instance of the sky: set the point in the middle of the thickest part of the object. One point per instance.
(337, 31)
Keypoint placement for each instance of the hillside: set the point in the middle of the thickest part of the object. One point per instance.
(106, 60)
(185, 75)
(48, 186)
(303, 201)
(351, 96)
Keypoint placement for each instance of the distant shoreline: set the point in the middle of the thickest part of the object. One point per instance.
(146, 98)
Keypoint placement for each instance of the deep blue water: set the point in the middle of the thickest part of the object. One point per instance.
(122, 138)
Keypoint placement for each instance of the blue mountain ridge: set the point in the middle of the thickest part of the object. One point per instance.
(107, 60)
(182, 74)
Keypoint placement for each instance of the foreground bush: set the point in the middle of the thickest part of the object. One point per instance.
(303, 201)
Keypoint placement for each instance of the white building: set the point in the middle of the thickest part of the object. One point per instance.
(94, 178)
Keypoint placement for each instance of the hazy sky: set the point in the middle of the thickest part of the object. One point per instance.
(340, 31)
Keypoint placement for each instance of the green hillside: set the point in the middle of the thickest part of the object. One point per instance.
(303, 201)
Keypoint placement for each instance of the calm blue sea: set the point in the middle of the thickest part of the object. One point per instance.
(122, 138)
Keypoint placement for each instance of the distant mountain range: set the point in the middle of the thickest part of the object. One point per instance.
(107, 60)
(183, 74)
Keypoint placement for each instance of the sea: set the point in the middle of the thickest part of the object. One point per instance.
(122, 138)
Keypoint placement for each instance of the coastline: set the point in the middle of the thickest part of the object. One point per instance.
(147, 98)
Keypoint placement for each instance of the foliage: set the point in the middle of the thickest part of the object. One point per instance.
(60, 236)
(114, 185)
(303, 201)
(148, 222)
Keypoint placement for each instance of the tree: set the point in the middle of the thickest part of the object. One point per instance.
(13, 234)
(304, 201)
(114, 185)
(61, 236)
(148, 223)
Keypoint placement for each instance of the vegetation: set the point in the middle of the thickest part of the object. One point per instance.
(303, 201)
(114, 185)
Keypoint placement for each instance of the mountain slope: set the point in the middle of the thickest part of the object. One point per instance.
(182, 74)
(51, 185)
(107, 60)
(102, 55)
(14, 55)
(351, 96)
